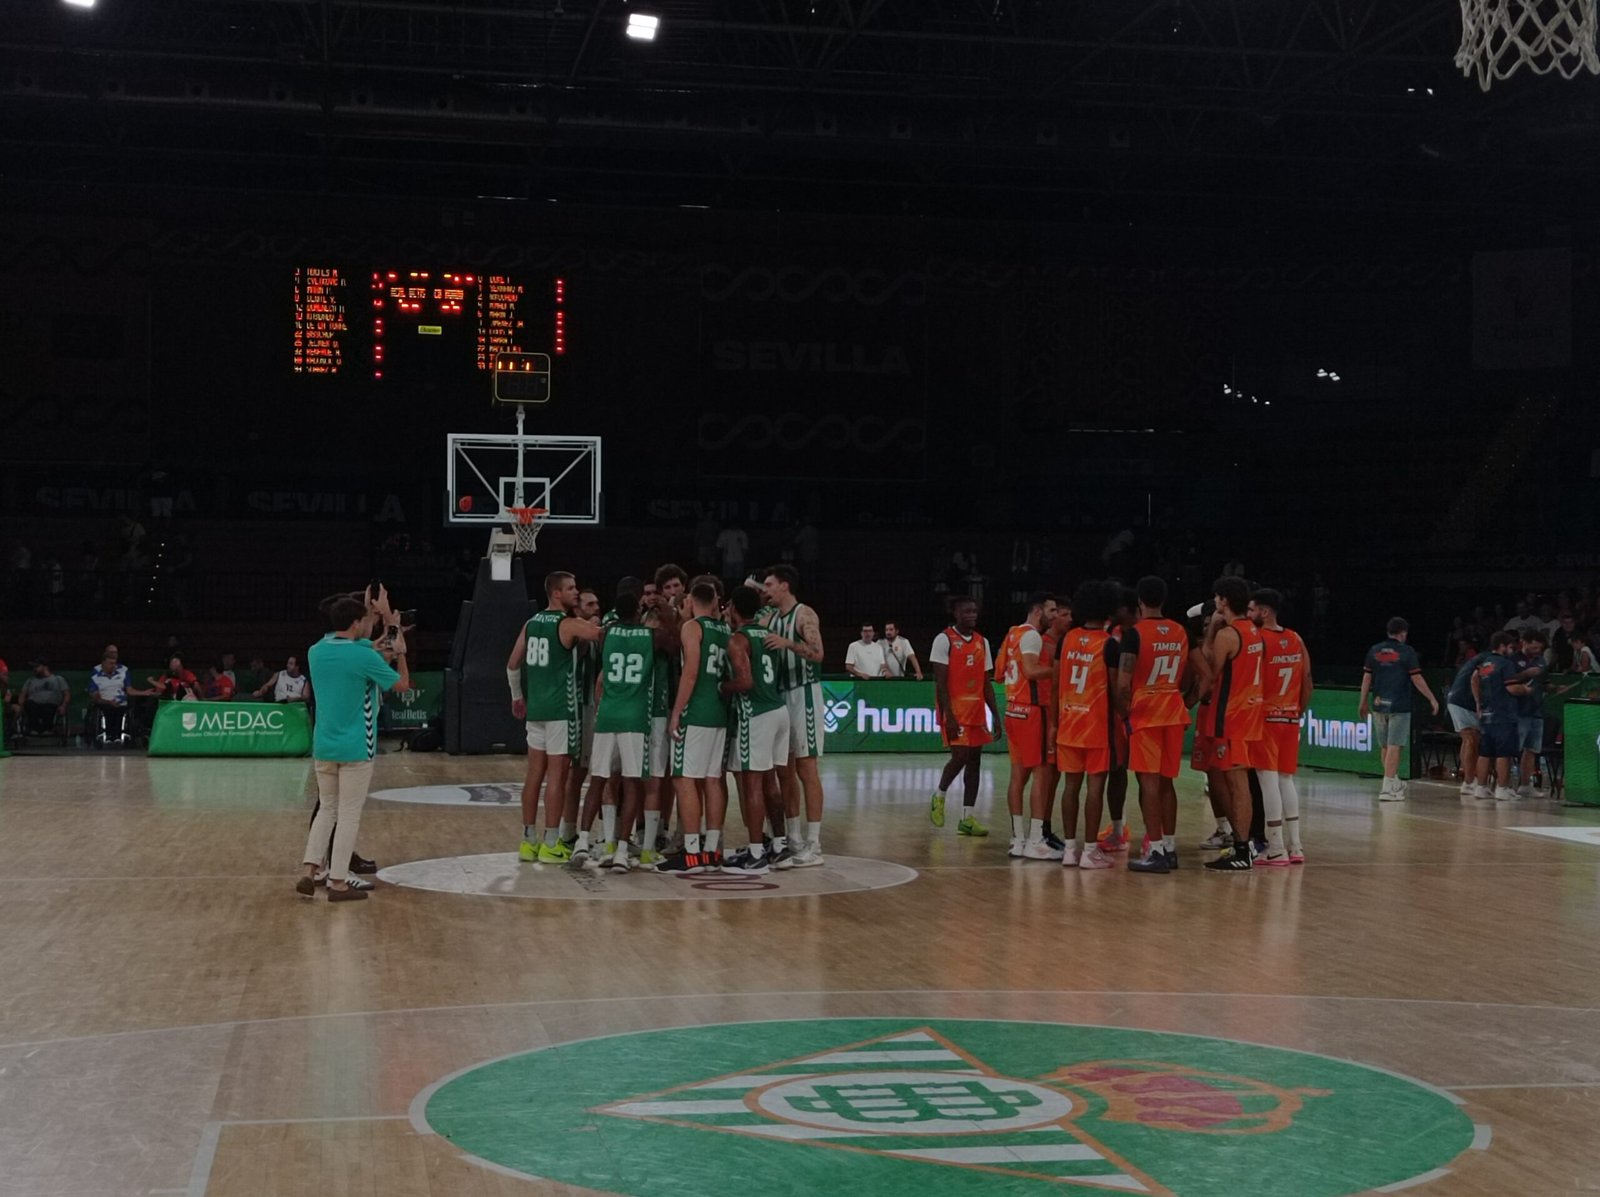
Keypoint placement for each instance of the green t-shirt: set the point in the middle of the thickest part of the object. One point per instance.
(708, 707)
(549, 671)
(349, 677)
(628, 673)
(763, 695)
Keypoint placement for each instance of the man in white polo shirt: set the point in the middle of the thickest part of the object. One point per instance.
(865, 658)
(898, 653)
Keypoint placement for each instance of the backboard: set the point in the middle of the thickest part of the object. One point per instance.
(487, 473)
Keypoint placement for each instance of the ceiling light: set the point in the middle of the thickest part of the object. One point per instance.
(642, 26)
(79, 3)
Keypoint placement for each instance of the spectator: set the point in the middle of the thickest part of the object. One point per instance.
(1388, 676)
(1522, 620)
(216, 685)
(108, 699)
(254, 678)
(865, 658)
(898, 653)
(42, 700)
(733, 544)
(1569, 650)
(1548, 623)
(227, 667)
(177, 683)
(289, 684)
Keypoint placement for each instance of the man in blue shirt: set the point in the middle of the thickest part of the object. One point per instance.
(1495, 692)
(349, 676)
(1463, 710)
(1531, 671)
(1390, 673)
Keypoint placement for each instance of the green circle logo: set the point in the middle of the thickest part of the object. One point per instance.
(893, 1106)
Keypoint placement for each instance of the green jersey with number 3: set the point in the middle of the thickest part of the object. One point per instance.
(549, 674)
(627, 674)
(763, 695)
(707, 705)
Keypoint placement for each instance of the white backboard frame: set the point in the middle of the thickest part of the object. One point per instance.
(562, 474)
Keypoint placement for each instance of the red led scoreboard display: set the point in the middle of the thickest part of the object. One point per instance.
(434, 324)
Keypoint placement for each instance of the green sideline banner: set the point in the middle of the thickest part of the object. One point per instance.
(417, 707)
(1331, 737)
(231, 729)
(1580, 741)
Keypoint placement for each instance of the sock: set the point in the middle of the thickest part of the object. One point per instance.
(1169, 844)
(938, 793)
(1116, 828)
(1018, 827)
(1224, 827)
(1291, 810)
(779, 843)
(608, 823)
(713, 840)
(1035, 830)
(583, 842)
(1077, 846)
(691, 843)
(567, 829)
(530, 834)
(757, 849)
(550, 837)
(814, 833)
(968, 807)
(652, 829)
(796, 828)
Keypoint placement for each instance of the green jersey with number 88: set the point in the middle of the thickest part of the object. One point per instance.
(763, 695)
(627, 673)
(549, 679)
(707, 706)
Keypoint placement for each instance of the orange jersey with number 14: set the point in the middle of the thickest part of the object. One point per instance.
(1285, 674)
(1158, 670)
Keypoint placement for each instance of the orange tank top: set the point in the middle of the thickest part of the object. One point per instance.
(1158, 675)
(1047, 684)
(967, 673)
(1236, 706)
(1021, 690)
(1285, 675)
(1083, 711)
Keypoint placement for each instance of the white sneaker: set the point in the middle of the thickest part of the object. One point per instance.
(1506, 794)
(1537, 792)
(1394, 790)
(1217, 840)
(619, 859)
(1016, 848)
(808, 856)
(1039, 850)
(1093, 858)
(1069, 857)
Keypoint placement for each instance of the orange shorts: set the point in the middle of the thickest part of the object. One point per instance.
(1156, 750)
(1200, 754)
(1025, 736)
(1071, 759)
(1231, 753)
(1278, 750)
(969, 736)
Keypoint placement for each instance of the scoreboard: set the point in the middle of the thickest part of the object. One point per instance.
(421, 325)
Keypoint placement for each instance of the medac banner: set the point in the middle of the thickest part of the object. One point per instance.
(231, 729)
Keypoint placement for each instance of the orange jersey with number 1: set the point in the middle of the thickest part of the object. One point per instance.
(1285, 675)
(1021, 690)
(1158, 670)
(1236, 704)
(1084, 708)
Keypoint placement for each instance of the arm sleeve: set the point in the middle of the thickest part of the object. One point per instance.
(1413, 664)
(852, 655)
(1130, 642)
(1368, 663)
(988, 657)
(939, 654)
(1031, 642)
(1112, 655)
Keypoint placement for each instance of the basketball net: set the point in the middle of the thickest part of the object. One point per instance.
(525, 525)
(1498, 37)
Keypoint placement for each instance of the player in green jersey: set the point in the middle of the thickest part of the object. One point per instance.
(571, 822)
(660, 611)
(697, 731)
(542, 674)
(760, 725)
(795, 633)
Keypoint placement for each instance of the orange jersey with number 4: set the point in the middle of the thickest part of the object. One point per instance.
(1285, 675)
(1083, 712)
(1021, 690)
(1157, 698)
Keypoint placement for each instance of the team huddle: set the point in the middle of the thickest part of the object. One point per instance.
(656, 702)
(1102, 687)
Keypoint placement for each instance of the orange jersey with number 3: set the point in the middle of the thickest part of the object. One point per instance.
(1158, 671)
(1083, 713)
(1285, 675)
(1236, 704)
(1021, 690)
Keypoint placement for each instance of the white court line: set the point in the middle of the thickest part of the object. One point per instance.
(1424, 1178)
(1529, 1085)
(1482, 1135)
(205, 1157)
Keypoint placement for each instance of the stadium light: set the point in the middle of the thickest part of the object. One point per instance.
(79, 3)
(641, 26)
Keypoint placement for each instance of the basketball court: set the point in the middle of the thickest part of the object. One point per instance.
(1412, 1008)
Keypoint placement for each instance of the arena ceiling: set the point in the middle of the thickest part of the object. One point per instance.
(1197, 112)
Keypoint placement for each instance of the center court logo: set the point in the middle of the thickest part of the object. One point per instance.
(901, 1108)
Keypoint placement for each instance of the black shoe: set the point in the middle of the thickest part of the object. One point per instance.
(1172, 858)
(742, 864)
(1055, 842)
(361, 866)
(1233, 860)
(683, 864)
(305, 887)
(781, 859)
(1156, 862)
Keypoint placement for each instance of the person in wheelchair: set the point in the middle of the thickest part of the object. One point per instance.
(41, 704)
(110, 719)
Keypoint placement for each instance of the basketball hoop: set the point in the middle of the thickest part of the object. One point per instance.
(525, 525)
(1498, 37)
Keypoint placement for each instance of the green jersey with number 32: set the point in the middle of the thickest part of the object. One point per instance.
(627, 676)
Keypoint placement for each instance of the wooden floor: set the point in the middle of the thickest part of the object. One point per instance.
(174, 1020)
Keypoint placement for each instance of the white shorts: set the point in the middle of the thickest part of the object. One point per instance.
(620, 754)
(805, 720)
(762, 743)
(700, 753)
(586, 736)
(558, 737)
(660, 758)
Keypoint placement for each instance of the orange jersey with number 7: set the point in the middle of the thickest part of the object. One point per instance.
(1284, 678)
(1158, 669)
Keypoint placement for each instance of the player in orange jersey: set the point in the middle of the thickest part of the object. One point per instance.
(965, 708)
(1234, 646)
(1020, 668)
(1085, 738)
(1115, 837)
(1046, 844)
(1150, 682)
(1286, 690)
